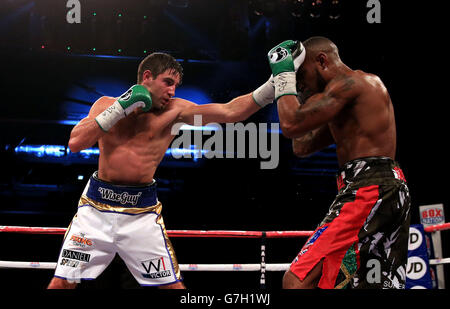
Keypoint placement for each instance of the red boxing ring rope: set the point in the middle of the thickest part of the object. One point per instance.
(262, 267)
(200, 233)
(438, 227)
(173, 233)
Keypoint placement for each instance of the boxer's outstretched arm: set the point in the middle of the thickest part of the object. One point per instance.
(297, 120)
(236, 110)
(312, 142)
(87, 132)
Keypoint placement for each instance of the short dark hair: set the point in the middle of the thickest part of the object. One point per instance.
(320, 44)
(158, 63)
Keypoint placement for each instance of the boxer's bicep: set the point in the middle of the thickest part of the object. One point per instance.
(203, 114)
(322, 108)
(87, 132)
(318, 110)
(326, 105)
(237, 109)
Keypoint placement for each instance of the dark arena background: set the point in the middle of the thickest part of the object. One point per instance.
(52, 71)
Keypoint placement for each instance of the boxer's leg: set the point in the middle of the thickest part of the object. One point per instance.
(144, 246)
(291, 281)
(58, 283)
(87, 248)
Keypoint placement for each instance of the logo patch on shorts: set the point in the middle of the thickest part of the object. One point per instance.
(80, 240)
(155, 268)
(72, 258)
(76, 255)
(122, 198)
(398, 174)
(312, 240)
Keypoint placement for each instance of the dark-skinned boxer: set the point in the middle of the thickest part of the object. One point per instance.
(362, 241)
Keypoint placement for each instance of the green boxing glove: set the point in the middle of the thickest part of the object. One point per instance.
(135, 97)
(284, 61)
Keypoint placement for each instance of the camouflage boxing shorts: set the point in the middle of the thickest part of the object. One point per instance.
(363, 240)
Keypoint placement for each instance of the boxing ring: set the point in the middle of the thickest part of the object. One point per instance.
(261, 267)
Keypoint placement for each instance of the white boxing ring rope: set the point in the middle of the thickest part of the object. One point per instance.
(261, 267)
(183, 267)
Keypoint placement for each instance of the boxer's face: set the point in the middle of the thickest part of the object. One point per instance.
(309, 78)
(162, 88)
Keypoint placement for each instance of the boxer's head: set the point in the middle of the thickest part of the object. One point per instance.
(318, 68)
(160, 73)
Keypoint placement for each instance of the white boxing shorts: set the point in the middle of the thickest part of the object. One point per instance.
(118, 219)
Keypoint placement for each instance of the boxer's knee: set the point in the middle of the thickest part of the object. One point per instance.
(291, 281)
(58, 283)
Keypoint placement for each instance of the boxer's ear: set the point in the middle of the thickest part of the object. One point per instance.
(322, 60)
(147, 74)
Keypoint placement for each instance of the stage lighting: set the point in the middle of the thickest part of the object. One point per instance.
(334, 10)
(316, 9)
(297, 8)
(267, 8)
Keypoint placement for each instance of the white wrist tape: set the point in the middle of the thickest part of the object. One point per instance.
(110, 116)
(285, 83)
(265, 94)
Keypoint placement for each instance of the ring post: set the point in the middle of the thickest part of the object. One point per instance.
(263, 261)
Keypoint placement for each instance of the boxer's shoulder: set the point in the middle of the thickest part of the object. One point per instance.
(366, 80)
(344, 82)
(179, 105)
(104, 101)
(100, 105)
